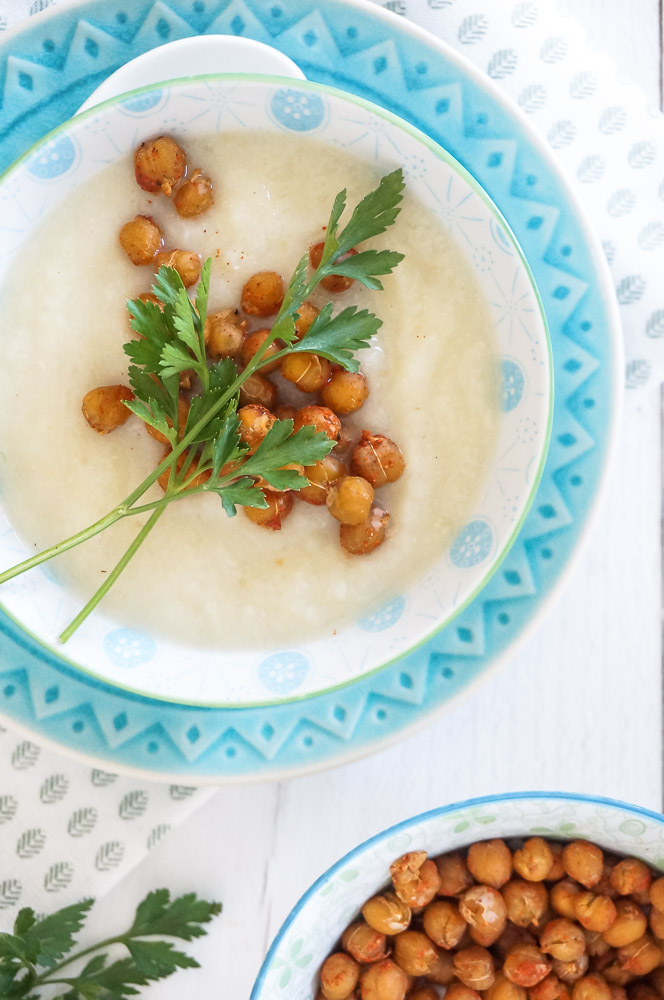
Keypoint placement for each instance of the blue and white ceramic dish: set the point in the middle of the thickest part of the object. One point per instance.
(315, 924)
(78, 152)
(49, 67)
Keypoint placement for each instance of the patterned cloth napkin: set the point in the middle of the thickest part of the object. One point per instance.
(67, 830)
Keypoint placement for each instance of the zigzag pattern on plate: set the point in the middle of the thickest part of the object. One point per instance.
(45, 73)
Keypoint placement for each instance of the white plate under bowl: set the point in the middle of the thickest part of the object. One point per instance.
(79, 150)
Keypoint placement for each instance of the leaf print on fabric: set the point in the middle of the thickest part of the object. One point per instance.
(553, 50)
(473, 29)
(641, 155)
(8, 807)
(82, 821)
(532, 98)
(109, 855)
(100, 779)
(10, 893)
(621, 203)
(612, 120)
(180, 792)
(54, 789)
(655, 324)
(525, 14)
(631, 289)
(651, 236)
(637, 373)
(133, 805)
(25, 755)
(561, 134)
(58, 876)
(591, 169)
(30, 843)
(583, 86)
(157, 834)
(502, 64)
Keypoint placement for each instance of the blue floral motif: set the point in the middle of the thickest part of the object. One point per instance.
(54, 159)
(472, 545)
(513, 385)
(126, 648)
(297, 110)
(281, 673)
(137, 106)
(384, 617)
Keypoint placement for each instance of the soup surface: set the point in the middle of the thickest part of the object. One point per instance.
(201, 577)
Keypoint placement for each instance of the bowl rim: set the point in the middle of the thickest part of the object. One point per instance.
(441, 153)
(598, 800)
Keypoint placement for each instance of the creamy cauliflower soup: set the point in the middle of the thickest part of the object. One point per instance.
(202, 577)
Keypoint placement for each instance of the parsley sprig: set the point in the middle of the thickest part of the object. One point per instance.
(208, 455)
(41, 949)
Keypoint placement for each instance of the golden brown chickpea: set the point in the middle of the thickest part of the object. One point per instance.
(640, 957)
(595, 913)
(630, 875)
(423, 993)
(656, 980)
(484, 910)
(365, 944)
(103, 407)
(489, 861)
(159, 164)
(550, 988)
(284, 411)
(384, 981)
(259, 390)
(443, 923)
(503, 989)
(263, 293)
(349, 499)
(183, 413)
(279, 506)
(616, 976)
(140, 239)
(252, 344)
(305, 317)
(457, 991)
(656, 921)
(386, 913)
(344, 441)
(443, 971)
(307, 371)
(319, 417)
(526, 902)
(194, 196)
(583, 862)
(338, 976)
(598, 949)
(415, 878)
(569, 972)
(563, 939)
(321, 475)
(591, 987)
(345, 392)
(605, 886)
(414, 953)
(362, 539)
(617, 992)
(641, 991)
(629, 925)
(454, 875)
(557, 869)
(562, 896)
(377, 459)
(525, 965)
(255, 422)
(224, 333)
(511, 936)
(186, 263)
(533, 861)
(656, 894)
(474, 967)
(334, 283)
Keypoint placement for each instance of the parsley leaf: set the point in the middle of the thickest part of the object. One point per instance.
(376, 212)
(338, 337)
(280, 447)
(181, 917)
(53, 936)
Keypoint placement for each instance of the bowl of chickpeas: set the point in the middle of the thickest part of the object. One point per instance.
(530, 896)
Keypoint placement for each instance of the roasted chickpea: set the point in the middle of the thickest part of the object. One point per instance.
(474, 967)
(338, 976)
(656, 894)
(345, 392)
(489, 861)
(377, 459)
(630, 875)
(253, 343)
(307, 371)
(384, 981)
(183, 413)
(563, 939)
(259, 390)
(365, 944)
(454, 875)
(656, 980)
(484, 910)
(344, 441)
(503, 989)
(334, 283)
(103, 407)
(386, 913)
(598, 950)
(656, 921)
(159, 164)
(319, 417)
(583, 862)
(186, 263)
(526, 902)
(444, 924)
(224, 333)
(563, 895)
(279, 506)
(591, 987)
(605, 886)
(640, 957)
(457, 991)
(569, 972)
(550, 988)
(362, 539)
(414, 953)
(415, 878)
(140, 238)
(423, 993)
(534, 859)
(525, 965)
(255, 422)
(511, 936)
(442, 972)
(616, 976)
(641, 991)
(629, 925)
(595, 913)
(617, 992)
(306, 315)
(284, 411)
(321, 476)
(263, 293)
(349, 499)
(557, 869)
(194, 196)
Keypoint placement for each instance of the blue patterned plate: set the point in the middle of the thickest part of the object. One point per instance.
(49, 68)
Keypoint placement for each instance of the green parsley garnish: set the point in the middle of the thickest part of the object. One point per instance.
(38, 952)
(172, 341)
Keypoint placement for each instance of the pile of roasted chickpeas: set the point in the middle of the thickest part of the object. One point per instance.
(532, 920)
(346, 480)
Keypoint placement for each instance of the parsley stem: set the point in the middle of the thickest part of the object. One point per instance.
(112, 576)
(45, 977)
